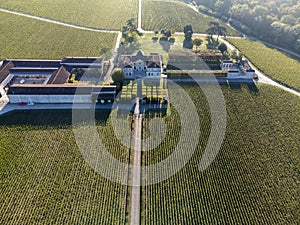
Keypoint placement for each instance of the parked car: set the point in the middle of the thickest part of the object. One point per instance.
(21, 103)
(30, 103)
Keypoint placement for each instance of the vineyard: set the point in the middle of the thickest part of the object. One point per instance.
(271, 62)
(255, 177)
(94, 13)
(159, 15)
(29, 38)
(45, 180)
(151, 90)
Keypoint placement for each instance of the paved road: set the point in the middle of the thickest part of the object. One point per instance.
(113, 60)
(140, 17)
(262, 78)
(136, 170)
(57, 22)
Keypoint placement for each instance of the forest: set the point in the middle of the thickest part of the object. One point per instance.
(274, 21)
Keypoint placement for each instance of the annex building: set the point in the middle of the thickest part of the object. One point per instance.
(238, 70)
(46, 81)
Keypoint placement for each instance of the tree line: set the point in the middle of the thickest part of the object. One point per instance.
(274, 21)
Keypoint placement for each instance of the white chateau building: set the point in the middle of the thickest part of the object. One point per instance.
(140, 65)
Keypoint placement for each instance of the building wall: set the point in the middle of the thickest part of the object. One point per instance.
(7, 80)
(50, 98)
(154, 71)
(128, 72)
(247, 75)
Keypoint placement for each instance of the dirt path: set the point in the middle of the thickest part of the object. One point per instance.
(136, 170)
(57, 22)
(113, 60)
(140, 17)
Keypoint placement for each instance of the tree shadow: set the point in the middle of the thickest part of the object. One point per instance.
(129, 48)
(237, 85)
(188, 44)
(154, 39)
(50, 118)
(166, 43)
(252, 87)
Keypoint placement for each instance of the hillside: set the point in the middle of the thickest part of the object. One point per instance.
(275, 21)
(159, 15)
(31, 38)
(93, 13)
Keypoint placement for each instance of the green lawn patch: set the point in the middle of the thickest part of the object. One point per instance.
(151, 43)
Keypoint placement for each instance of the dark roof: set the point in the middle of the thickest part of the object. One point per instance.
(35, 63)
(209, 54)
(85, 60)
(59, 89)
(125, 60)
(59, 76)
(34, 70)
(246, 65)
(5, 70)
(140, 53)
(153, 65)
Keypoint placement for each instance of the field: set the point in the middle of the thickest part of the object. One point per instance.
(175, 15)
(253, 180)
(94, 13)
(45, 180)
(255, 177)
(277, 65)
(28, 38)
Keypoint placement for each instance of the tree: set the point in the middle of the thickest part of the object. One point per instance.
(234, 55)
(222, 47)
(188, 32)
(221, 31)
(216, 29)
(125, 31)
(166, 33)
(117, 75)
(197, 42)
(131, 25)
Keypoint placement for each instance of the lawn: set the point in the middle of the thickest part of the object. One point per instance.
(274, 63)
(28, 38)
(93, 13)
(159, 15)
(254, 178)
(45, 180)
(150, 43)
